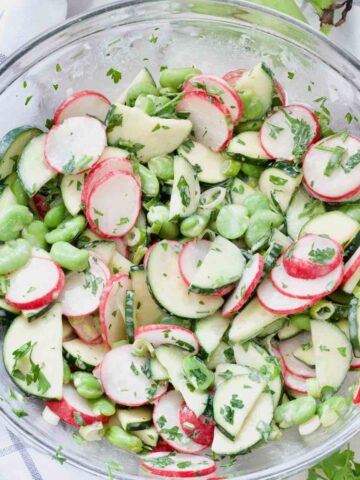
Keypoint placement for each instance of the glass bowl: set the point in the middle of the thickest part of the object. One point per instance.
(216, 36)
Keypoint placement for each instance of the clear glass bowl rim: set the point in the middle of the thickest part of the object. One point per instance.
(281, 470)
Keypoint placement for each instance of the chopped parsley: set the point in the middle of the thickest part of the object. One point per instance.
(58, 67)
(28, 99)
(228, 413)
(274, 130)
(58, 457)
(291, 75)
(301, 135)
(335, 160)
(352, 162)
(20, 413)
(321, 255)
(114, 120)
(277, 180)
(184, 191)
(114, 74)
(342, 351)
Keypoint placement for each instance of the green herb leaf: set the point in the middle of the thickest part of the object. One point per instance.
(301, 135)
(352, 162)
(274, 130)
(335, 160)
(277, 180)
(321, 255)
(184, 191)
(114, 74)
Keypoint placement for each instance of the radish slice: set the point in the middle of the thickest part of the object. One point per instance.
(245, 287)
(87, 328)
(200, 429)
(86, 102)
(276, 302)
(295, 383)
(305, 289)
(352, 272)
(97, 371)
(100, 170)
(219, 88)
(73, 409)
(276, 135)
(167, 422)
(179, 465)
(112, 320)
(114, 204)
(211, 120)
(82, 292)
(292, 364)
(170, 334)
(190, 259)
(121, 247)
(355, 364)
(124, 379)
(356, 396)
(35, 285)
(312, 256)
(233, 76)
(329, 171)
(75, 145)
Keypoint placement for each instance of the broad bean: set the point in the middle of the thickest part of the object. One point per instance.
(13, 219)
(175, 77)
(140, 89)
(260, 226)
(69, 257)
(87, 385)
(68, 230)
(118, 437)
(55, 215)
(162, 167)
(197, 373)
(253, 107)
(251, 170)
(295, 412)
(194, 225)
(14, 255)
(231, 167)
(169, 231)
(102, 406)
(67, 372)
(35, 233)
(19, 192)
(249, 126)
(158, 213)
(149, 183)
(256, 201)
(232, 221)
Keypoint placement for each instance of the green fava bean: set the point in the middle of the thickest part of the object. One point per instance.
(252, 170)
(336, 404)
(158, 213)
(19, 192)
(14, 255)
(260, 226)
(194, 225)
(162, 167)
(103, 406)
(249, 126)
(231, 167)
(295, 412)
(55, 216)
(69, 257)
(197, 373)
(146, 104)
(67, 373)
(118, 437)
(256, 201)
(253, 107)
(175, 77)
(87, 385)
(169, 231)
(35, 233)
(149, 183)
(13, 219)
(67, 231)
(232, 221)
(140, 89)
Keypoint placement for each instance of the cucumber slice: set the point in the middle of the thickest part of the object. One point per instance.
(332, 353)
(223, 353)
(305, 353)
(256, 427)
(239, 190)
(134, 419)
(208, 164)
(250, 322)
(272, 328)
(147, 311)
(45, 334)
(278, 186)
(224, 371)
(130, 314)
(233, 401)
(260, 82)
(149, 436)
(337, 225)
(354, 325)
(71, 189)
(143, 77)
(281, 239)
(302, 208)
(209, 331)
(222, 266)
(169, 289)
(289, 330)
(158, 372)
(7, 198)
(84, 356)
(171, 358)
(32, 169)
(12, 145)
(246, 147)
(185, 194)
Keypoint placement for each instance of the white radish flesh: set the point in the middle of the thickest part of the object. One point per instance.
(168, 334)
(86, 102)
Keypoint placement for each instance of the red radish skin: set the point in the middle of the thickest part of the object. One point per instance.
(356, 396)
(115, 203)
(99, 170)
(160, 334)
(86, 329)
(200, 466)
(112, 326)
(38, 269)
(347, 196)
(249, 281)
(297, 262)
(299, 288)
(162, 447)
(291, 381)
(213, 126)
(86, 102)
(279, 148)
(75, 134)
(276, 302)
(168, 408)
(227, 94)
(292, 364)
(233, 76)
(355, 364)
(351, 266)
(202, 429)
(72, 408)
